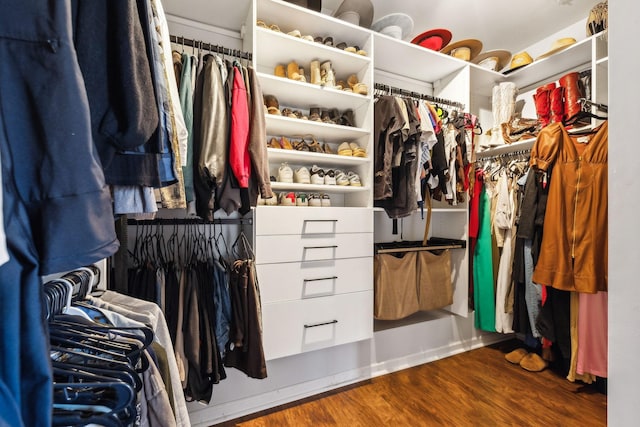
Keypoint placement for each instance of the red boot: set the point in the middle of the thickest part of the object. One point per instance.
(543, 106)
(572, 92)
(557, 104)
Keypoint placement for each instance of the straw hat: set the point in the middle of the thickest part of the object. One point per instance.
(494, 60)
(557, 46)
(435, 39)
(466, 49)
(396, 25)
(357, 12)
(519, 60)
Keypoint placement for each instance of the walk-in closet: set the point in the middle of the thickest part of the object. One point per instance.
(214, 210)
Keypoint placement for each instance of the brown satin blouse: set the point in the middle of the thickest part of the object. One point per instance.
(573, 256)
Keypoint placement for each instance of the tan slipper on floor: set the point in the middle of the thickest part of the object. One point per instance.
(533, 363)
(516, 356)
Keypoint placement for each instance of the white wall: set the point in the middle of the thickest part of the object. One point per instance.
(624, 205)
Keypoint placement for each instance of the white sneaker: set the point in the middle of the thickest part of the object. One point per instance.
(287, 199)
(317, 175)
(315, 200)
(285, 174)
(329, 177)
(325, 200)
(341, 178)
(302, 176)
(354, 179)
(302, 199)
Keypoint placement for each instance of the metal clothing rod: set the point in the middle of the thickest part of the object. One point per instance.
(524, 152)
(391, 90)
(189, 221)
(198, 44)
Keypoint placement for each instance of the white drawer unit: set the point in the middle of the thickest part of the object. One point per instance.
(294, 327)
(276, 220)
(291, 248)
(303, 280)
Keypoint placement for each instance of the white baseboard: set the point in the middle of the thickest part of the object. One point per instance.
(211, 415)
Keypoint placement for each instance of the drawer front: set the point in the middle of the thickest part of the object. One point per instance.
(272, 220)
(292, 248)
(302, 280)
(295, 327)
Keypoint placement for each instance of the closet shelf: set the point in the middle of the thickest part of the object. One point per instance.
(507, 148)
(434, 210)
(416, 62)
(289, 16)
(275, 47)
(295, 156)
(300, 95)
(573, 57)
(326, 132)
(311, 188)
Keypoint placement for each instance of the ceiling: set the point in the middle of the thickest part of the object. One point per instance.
(513, 25)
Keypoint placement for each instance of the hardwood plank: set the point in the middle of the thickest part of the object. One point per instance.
(476, 388)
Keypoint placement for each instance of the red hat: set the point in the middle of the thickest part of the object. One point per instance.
(433, 39)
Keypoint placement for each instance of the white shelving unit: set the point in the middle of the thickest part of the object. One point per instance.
(313, 299)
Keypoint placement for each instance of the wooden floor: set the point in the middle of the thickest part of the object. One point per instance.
(476, 388)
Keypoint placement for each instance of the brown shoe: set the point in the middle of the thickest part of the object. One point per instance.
(533, 363)
(279, 71)
(516, 356)
(271, 102)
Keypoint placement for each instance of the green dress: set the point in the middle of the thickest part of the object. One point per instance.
(483, 289)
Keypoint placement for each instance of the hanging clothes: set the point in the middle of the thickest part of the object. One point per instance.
(484, 294)
(573, 255)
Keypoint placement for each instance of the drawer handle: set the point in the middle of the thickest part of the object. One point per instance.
(321, 247)
(313, 325)
(321, 220)
(321, 278)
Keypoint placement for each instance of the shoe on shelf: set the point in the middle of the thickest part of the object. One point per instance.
(341, 46)
(326, 117)
(288, 112)
(308, 37)
(351, 49)
(314, 114)
(341, 178)
(326, 200)
(327, 149)
(357, 150)
(329, 177)
(275, 28)
(260, 23)
(327, 74)
(272, 104)
(346, 119)
(302, 199)
(315, 76)
(295, 33)
(298, 114)
(314, 146)
(354, 179)
(271, 201)
(274, 143)
(285, 143)
(301, 145)
(345, 149)
(302, 176)
(328, 41)
(280, 71)
(317, 175)
(260, 201)
(293, 72)
(287, 199)
(315, 200)
(285, 174)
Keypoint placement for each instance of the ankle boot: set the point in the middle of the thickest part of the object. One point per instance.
(556, 102)
(315, 77)
(328, 77)
(293, 71)
(572, 92)
(543, 107)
